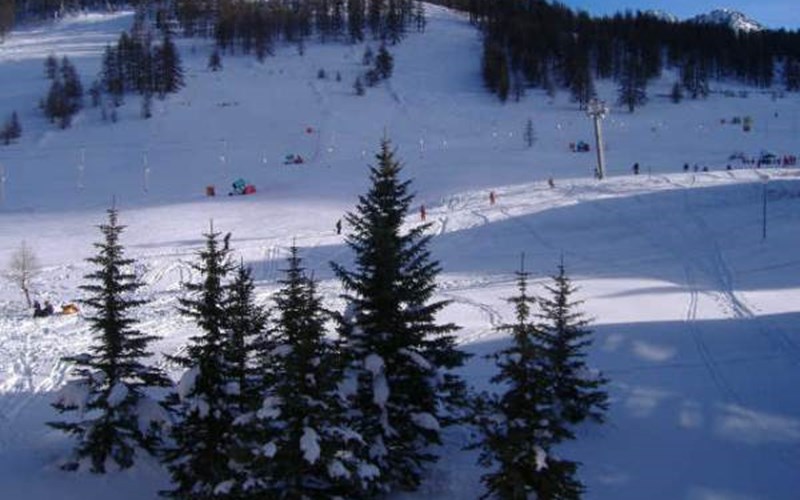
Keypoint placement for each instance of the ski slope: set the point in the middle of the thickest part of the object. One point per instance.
(695, 313)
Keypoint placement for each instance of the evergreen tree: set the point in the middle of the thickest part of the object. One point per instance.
(564, 339)
(215, 61)
(55, 107)
(676, 95)
(6, 17)
(51, 67)
(355, 20)
(632, 91)
(581, 85)
(495, 69)
(73, 89)
(303, 446)
(170, 71)
(117, 417)
(791, 75)
(147, 105)
(112, 77)
(521, 425)
(246, 329)
(398, 356)
(384, 63)
(529, 134)
(694, 78)
(198, 459)
(358, 86)
(368, 56)
(11, 129)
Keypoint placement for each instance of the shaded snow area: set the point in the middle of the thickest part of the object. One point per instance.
(695, 314)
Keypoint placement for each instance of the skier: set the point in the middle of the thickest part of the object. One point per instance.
(339, 226)
(685, 167)
(47, 310)
(37, 309)
(551, 182)
(636, 168)
(422, 213)
(491, 198)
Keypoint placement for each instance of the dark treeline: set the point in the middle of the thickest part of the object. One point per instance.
(539, 44)
(254, 27)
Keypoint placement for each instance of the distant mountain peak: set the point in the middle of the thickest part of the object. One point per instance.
(661, 15)
(729, 17)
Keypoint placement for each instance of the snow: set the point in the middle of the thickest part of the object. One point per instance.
(74, 394)
(417, 358)
(541, 458)
(224, 487)
(269, 450)
(337, 470)
(309, 445)
(117, 394)
(731, 18)
(425, 421)
(186, 383)
(368, 471)
(374, 364)
(270, 408)
(380, 390)
(150, 412)
(694, 312)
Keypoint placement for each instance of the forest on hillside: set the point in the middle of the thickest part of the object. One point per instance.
(527, 44)
(546, 45)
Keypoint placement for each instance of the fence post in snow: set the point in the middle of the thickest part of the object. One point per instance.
(146, 173)
(2, 184)
(81, 168)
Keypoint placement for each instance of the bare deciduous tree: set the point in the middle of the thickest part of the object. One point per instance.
(22, 267)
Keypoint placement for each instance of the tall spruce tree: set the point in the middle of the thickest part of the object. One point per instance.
(565, 338)
(301, 445)
(169, 72)
(521, 426)
(397, 355)
(246, 324)
(205, 404)
(632, 90)
(117, 417)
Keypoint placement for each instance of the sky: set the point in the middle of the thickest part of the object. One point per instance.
(772, 13)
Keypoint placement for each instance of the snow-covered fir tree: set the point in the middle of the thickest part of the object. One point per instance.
(246, 324)
(300, 444)
(565, 337)
(521, 425)
(398, 356)
(206, 398)
(117, 416)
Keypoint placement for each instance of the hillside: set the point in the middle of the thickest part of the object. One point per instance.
(695, 314)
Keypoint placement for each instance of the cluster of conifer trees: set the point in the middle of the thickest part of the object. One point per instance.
(65, 97)
(547, 45)
(14, 10)
(270, 406)
(11, 129)
(135, 64)
(254, 27)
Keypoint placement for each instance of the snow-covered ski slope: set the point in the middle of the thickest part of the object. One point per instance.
(695, 314)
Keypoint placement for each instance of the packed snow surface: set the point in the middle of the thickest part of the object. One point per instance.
(695, 311)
